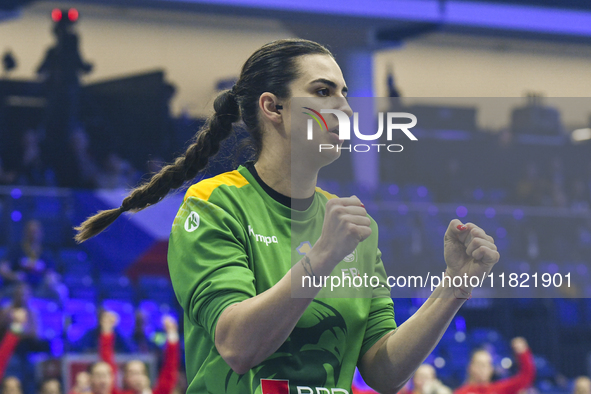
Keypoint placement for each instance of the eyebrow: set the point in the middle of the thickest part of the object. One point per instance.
(330, 83)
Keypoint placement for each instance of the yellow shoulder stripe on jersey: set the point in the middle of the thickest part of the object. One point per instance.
(326, 194)
(204, 188)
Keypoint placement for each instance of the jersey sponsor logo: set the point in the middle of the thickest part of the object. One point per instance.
(304, 247)
(350, 272)
(281, 386)
(263, 238)
(351, 257)
(275, 386)
(192, 222)
(320, 390)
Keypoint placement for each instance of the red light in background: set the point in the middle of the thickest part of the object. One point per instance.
(73, 14)
(56, 15)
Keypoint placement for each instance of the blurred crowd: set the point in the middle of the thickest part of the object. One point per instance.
(554, 187)
(547, 184)
(99, 377)
(28, 164)
(529, 182)
(481, 376)
(28, 267)
(102, 375)
(28, 273)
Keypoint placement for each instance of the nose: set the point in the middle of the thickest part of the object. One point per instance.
(344, 106)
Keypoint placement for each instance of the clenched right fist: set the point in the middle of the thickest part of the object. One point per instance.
(346, 224)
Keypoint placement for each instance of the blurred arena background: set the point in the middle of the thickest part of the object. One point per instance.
(94, 95)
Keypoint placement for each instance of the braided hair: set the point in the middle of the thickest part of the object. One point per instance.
(271, 68)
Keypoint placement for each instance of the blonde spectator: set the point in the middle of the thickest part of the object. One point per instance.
(582, 385)
(82, 385)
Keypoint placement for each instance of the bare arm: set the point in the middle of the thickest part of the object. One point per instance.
(390, 363)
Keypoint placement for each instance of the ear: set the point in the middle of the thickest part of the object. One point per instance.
(268, 103)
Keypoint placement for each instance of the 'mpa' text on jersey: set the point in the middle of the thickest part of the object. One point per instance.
(262, 238)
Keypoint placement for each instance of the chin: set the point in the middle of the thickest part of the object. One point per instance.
(329, 156)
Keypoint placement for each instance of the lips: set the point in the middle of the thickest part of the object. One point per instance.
(335, 131)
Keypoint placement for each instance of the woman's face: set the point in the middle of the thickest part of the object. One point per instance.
(481, 368)
(320, 85)
(101, 378)
(425, 373)
(12, 386)
(83, 381)
(135, 374)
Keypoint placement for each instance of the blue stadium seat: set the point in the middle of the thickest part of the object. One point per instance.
(116, 287)
(156, 288)
(568, 312)
(81, 287)
(74, 262)
(54, 230)
(48, 207)
(416, 193)
(82, 316)
(389, 192)
(72, 255)
(153, 315)
(544, 370)
(586, 309)
(495, 195)
(477, 337)
(51, 317)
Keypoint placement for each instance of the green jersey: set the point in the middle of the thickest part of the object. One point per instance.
(231, 241)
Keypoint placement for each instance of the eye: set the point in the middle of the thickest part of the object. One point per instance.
(324, 92)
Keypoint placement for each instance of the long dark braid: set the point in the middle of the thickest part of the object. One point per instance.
(270, 69)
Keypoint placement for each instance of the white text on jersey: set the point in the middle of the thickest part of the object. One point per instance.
(263, 238)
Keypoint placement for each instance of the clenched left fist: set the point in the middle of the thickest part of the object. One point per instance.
(468, 250)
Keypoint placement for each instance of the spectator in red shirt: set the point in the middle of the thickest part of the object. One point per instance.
(18, 319)
(480, 372)
(135, 378)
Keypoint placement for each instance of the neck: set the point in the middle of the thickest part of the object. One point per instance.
(277, 172)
